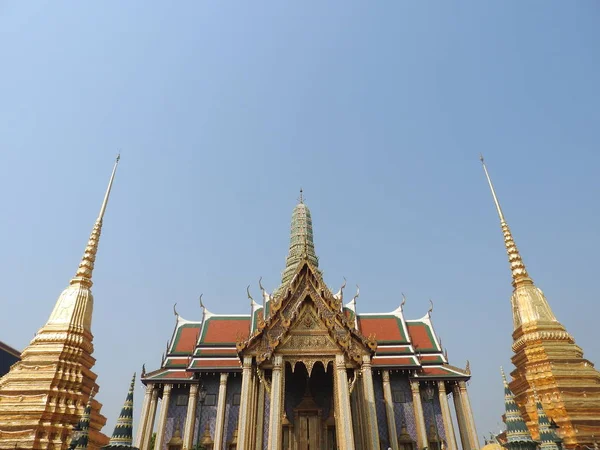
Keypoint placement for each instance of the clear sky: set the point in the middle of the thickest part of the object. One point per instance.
(223, 110)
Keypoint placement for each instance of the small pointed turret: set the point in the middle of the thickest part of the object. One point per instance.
(548, 438)
(122, 436)
(81, 432)
(302, 246)
(517, 433)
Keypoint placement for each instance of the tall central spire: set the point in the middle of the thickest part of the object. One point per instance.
(302, 246)
(528, 302)
(86, 266)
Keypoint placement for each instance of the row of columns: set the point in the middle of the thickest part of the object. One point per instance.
(149, 406)
(466, 423)
(252, 411)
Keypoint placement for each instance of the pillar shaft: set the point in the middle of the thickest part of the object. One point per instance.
(369, 396)
(190, 418)
(389, 410)
(460, 418)
(243, 428)
(260, 417)
(446, 416)
(419, 416)
(220, 420)
(144, 416)
(343, 423)
(150, 422)
(469, 419)
(162, 419)
(276, 404)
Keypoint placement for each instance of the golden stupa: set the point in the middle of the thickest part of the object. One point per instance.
(547, 360)
(45, 393)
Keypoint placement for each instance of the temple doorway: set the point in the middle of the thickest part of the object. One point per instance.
(308, 423)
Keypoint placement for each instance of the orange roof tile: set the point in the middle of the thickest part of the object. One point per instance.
(400, 361)
(421, 337)
(386, 328)
(225, 330)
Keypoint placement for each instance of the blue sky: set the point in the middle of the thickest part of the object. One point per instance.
(222, 111)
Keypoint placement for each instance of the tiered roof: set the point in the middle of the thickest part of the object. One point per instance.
(212, 344)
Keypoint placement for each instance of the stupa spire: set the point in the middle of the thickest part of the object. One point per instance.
(86, 266)
(122, 436)
(302, 246)
(529, 304)
(517, 266)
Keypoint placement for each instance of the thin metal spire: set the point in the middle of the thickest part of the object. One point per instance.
(487, 175)
(112, 177)
(86, 266)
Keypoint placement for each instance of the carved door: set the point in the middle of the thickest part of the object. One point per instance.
(307, 432)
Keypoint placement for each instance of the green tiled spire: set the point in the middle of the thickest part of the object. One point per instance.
(122, 436)
(301, 241)
(517, 433)
(79, 441)
(548, 437)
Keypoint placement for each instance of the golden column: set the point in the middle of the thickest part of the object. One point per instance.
(190, 418)
(244, 403)
(389, 410)
(344, 421)
(276, 403)
(446, 416)
(260, 416)
(150, 421)
(220, 420)
(468, 412)
(144, 415)
(162, 418)
(369, 396)
(418, 411)
(460, 418)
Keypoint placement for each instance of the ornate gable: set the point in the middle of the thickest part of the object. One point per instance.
(304, 318)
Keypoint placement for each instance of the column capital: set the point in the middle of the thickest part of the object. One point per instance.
(194, 389)
(442, 386)
(462, 385)
(223, 378)
(340, 362)
(277, 362)
(247, 362)
(414, 386)
(385, 375)
(366, 361)
(149, 388)
(167, 388)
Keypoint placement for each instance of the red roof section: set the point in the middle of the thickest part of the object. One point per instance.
(185, 338)
(385, 328)
(225, 330)
(402, 361)
(206, 362)
(421, 336)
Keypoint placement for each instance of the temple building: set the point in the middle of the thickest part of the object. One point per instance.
(44, 394)
(547, 361)
(304, 370)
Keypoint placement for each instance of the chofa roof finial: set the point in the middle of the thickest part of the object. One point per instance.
(403, 302)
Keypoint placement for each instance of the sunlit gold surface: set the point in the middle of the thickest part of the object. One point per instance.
(547, 359)
(45, 393)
